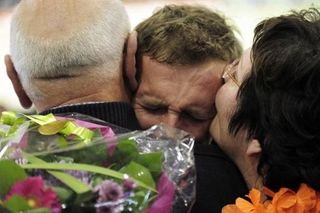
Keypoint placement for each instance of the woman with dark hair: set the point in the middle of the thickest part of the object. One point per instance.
(270, 125)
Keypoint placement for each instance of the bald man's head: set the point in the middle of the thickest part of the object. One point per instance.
(54, 39)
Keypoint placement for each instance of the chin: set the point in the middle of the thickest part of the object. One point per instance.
(204, 139)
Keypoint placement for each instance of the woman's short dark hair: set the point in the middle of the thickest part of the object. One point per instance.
(279, 102)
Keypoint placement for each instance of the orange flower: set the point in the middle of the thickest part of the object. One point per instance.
(232, 208)
(305, 200)
(282, 202)
(317, 208)
(242, 205)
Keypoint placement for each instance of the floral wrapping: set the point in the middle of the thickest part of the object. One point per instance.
(66, 164)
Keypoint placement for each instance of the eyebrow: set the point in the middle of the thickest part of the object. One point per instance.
(146, 99)
(199, 113)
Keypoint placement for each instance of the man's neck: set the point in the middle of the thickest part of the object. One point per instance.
(97, 97)
(77, 90)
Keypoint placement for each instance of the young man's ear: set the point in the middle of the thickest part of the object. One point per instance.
(254, 148)
(130, 61)
(12, 74)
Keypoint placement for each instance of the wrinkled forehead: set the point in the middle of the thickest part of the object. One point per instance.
(185, 85)
(157, 71)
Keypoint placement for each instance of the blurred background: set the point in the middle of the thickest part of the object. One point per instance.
(244, 14)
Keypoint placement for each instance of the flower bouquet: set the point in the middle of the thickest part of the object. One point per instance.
(66, 164)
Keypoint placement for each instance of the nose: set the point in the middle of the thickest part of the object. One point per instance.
(171, 119)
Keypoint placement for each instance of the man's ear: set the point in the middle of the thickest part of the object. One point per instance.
(130, 61)
(254, 148)
(12, 74)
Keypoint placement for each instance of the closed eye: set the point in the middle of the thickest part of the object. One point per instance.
(193, 118)
(155, 109)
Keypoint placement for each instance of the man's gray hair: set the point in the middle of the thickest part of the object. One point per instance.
(98, 40)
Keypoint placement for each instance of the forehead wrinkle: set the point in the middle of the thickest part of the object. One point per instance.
(47, 19)
(187, 81)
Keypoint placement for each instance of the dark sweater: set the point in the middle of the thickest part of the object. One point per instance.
(120, 114)
(219, 182)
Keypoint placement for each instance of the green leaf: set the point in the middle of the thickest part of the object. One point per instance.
(97, 180)
(80, 155)
(126, 151)
(67, 179)
(10, 174)
(16, 203)
(52, 128)
(63, 193)
(143, 198)
(83, 191)
(41, 119)
(152, 161)
(139, 172)
(62, 142)
(91, 168)
(40, 210)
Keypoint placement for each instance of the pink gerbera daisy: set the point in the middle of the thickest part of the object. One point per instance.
(34, 192)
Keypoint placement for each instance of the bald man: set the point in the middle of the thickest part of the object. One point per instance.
(66, 56)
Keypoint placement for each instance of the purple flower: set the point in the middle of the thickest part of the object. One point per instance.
(129, 184)
(164, 200)
(16, 154)
(83, 176)
(109, 197)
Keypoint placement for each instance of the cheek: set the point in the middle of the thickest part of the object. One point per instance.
(225, 105)
(226, 101)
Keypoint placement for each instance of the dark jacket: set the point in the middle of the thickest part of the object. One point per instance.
(120, 114)
(219, 182)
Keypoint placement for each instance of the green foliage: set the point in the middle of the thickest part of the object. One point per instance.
(142, 196)
(83, 191)
(139, 172)
(40, 210)
(16, 203)
(10, 174)
(63, 149)
(98, 155)
(125, 152)
(64, 194)
(152, 161)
